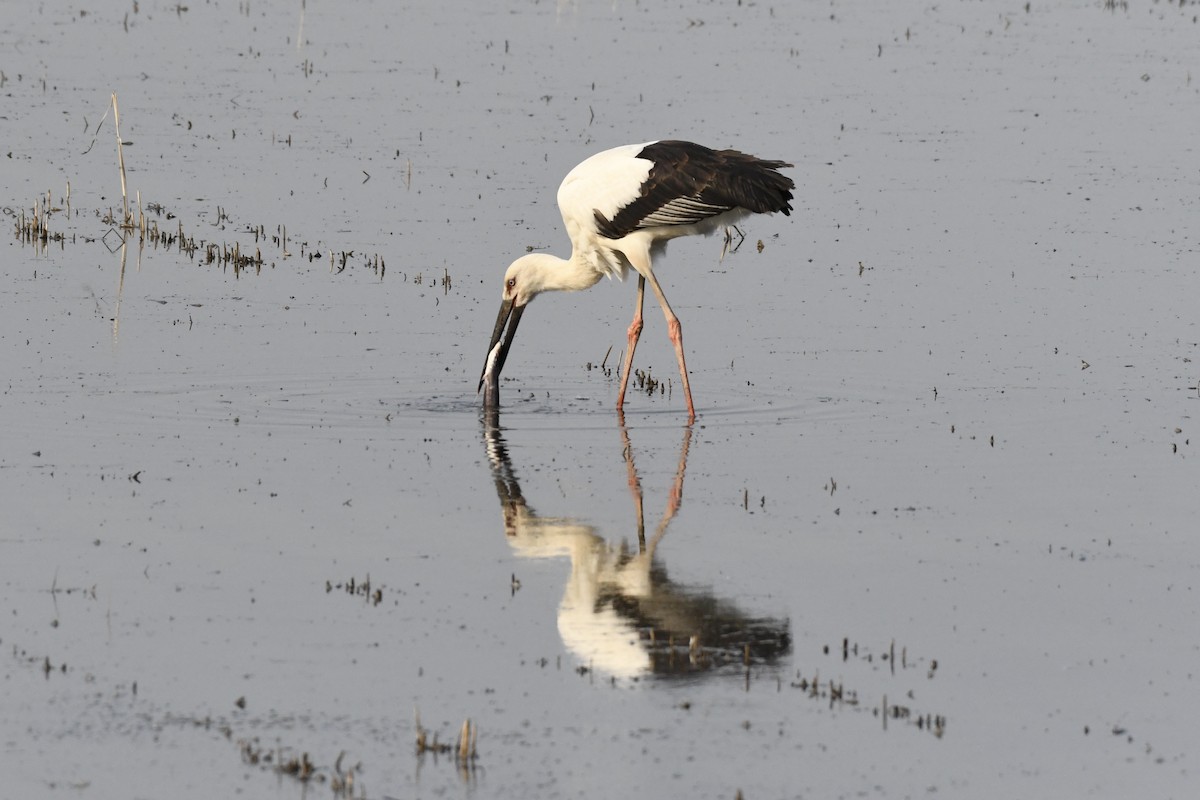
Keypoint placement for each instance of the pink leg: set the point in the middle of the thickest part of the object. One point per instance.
(675, 331)
(635, 331)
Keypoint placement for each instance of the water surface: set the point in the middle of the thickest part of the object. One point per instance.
(932, 529)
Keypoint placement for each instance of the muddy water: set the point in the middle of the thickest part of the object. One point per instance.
(931, 532)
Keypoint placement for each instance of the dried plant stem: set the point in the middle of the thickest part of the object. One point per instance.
(464, 741)
(120, 161)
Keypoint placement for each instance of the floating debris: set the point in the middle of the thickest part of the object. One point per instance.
(285, 761)
(35, 228)
(364, 589)
(837, 695)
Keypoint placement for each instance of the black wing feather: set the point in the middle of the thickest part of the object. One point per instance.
(690, 183)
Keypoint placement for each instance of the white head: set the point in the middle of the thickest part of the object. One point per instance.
(530, 275)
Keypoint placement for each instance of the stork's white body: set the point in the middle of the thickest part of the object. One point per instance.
(620, 207)
(606, 183)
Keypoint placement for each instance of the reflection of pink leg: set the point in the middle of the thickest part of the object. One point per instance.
(676, 497)
(674, 500)
(635, 331)
(677, 488)
(635, 485)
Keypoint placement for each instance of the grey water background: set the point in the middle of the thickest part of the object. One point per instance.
(943, 459)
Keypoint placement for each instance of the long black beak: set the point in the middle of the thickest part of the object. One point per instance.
(509, 315)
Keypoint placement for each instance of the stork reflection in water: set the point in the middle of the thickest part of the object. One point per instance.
(620, 613)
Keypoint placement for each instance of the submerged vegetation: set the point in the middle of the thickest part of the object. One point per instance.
(42, 224)
(152, 225)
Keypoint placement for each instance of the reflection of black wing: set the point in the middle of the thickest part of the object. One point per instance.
(688, 629)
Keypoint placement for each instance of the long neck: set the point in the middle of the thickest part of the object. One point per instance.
(563, 275)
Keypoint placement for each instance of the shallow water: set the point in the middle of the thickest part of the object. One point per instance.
(931, 532)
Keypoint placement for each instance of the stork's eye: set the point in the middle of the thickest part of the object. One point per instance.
(511, 283)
